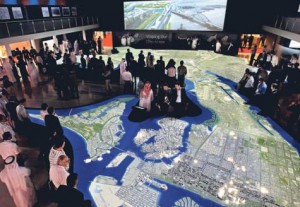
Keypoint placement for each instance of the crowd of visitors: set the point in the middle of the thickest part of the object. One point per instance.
(160, 86)
(267, 79)
(15, 126)
(32, 67)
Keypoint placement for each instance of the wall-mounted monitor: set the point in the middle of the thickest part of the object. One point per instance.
(45, 12)
(55, 11)
(294, 44)
(4, 13)
(198, 15)
(17, 12)
(66, 11)
(74, 11)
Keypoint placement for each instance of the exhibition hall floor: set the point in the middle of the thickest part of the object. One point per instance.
(226, 156)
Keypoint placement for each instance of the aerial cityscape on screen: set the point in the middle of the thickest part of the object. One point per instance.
(227, 156)
(198, 15)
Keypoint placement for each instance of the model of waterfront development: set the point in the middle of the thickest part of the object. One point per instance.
(227, 156)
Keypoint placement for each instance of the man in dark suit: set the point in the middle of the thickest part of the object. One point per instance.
(179, 101)
(129, 57)
(52, 123)
(68, 195)
(163, 99)
(250, 40)
(160, 69)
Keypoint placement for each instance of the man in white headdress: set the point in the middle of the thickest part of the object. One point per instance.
(58, 173)
(8, 70)
(122, 70)
(5, 127)
(18, 183)
(76, 48)
(7, 147)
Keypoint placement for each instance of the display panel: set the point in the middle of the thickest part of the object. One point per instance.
(198, 15)
(34, 2)
(74, 11)
(4, 13)
(55, 11)
(294, 44)
(17, 12)
(45, 12)
(66, 11)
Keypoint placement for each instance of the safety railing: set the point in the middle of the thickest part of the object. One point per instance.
(17, 28)
(291, 24)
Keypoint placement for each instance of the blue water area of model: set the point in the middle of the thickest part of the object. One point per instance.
(88, 171)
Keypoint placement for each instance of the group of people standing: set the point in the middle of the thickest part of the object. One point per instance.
(269, 80)
(134, 73)
(160, 87)
(24, 63)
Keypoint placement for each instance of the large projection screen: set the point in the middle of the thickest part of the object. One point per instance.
(196, 15)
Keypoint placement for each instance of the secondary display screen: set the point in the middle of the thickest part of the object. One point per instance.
(294, 44)
(45, 12)
(4, 13)
(17, 12)
(55, 11)
(198, 15)
(66, 11)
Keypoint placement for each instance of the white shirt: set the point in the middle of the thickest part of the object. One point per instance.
(250, 82)
(22, 113)
(6, 128)
(122, 67)
(127, 76)
(178, 100)
(274, 60)
(54, 155)
(268, 58)
(44, 113)
(253, 69)
(145, 101)
(218, 47)
(8, 148)
(58, 175)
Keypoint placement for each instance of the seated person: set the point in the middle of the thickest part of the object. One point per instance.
(163, 100)
(260, 91)
(143, 108)
(269, 107)
(146, 96)
(182, 105)
(243, 80)
(179, 101)
(294, 118)
(248, 88)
